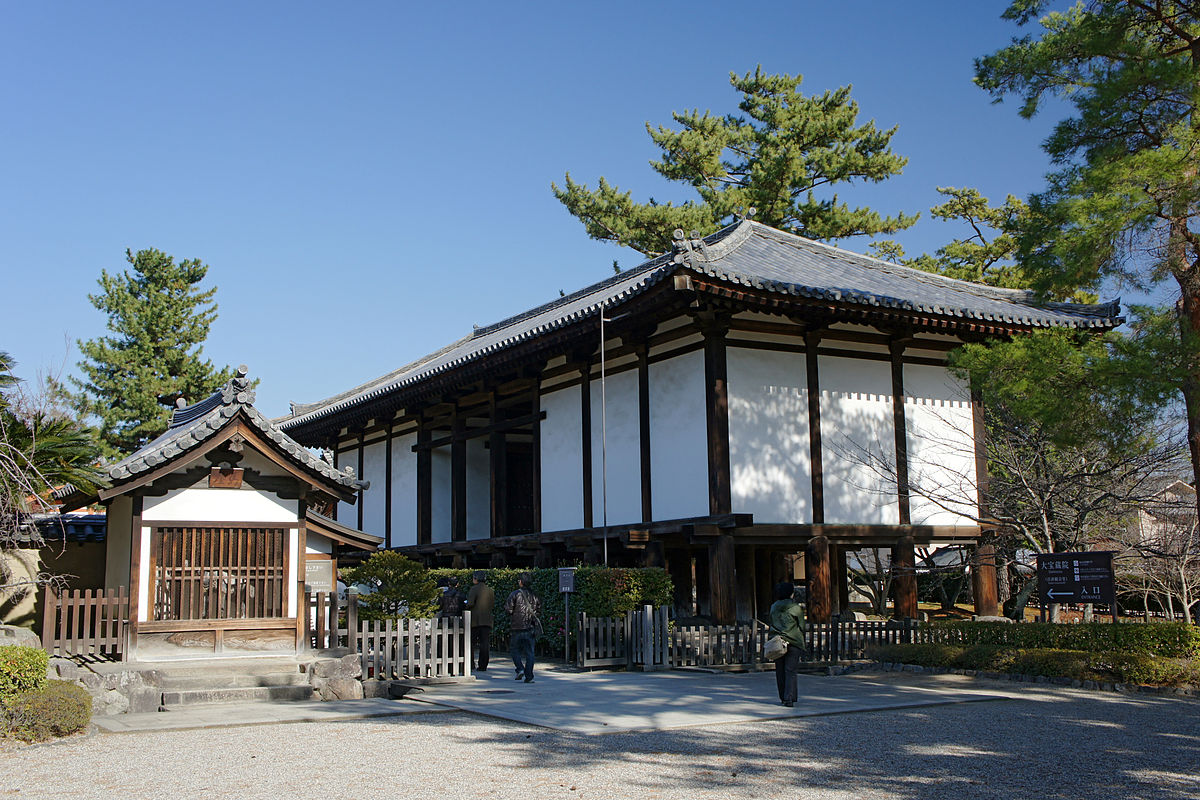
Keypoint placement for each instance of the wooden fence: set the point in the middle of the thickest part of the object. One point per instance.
(726, 646)
(843, 641)
(416, 648)
(86, 623)
(601, 641)
(330, 620)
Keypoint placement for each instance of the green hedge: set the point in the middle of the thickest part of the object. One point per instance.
(1139, 668)
(59, 708)
(600, 592)
(21, 669)
(1170, 639)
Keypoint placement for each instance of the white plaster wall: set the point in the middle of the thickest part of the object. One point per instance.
(117, 542)
(374, 499)
(316, 543)
(770, 469)
(479, 489)
(624, 450)
(941, 447)
(678, 438)
(562, 460)
(442, 507)
(240, 505)
(144, 578)
(404, 491)
(293, 544)
(347, 513)
(857, 441)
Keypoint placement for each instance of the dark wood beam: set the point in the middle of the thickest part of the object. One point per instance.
(474, 433)
(901, 430)
(644, 432)
(585, 408)
(424, 487)
(498, 471)
(716, 378)
(458, 484)
(387, 490)
(816, 470)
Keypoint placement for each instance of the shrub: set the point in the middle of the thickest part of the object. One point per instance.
(21, 669)
(399, 587)
(600, 592)
(922, 655)
(1171, 639)
(59, 708)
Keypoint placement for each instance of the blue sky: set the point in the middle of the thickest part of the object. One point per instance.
(368, 180)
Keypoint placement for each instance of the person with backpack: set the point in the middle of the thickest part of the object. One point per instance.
(524, 613)
(479, 602)
(787, 621)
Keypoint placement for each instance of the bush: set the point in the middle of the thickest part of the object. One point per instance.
(1139, 668)
(1170, 639)
(400, 587)
(600, 592)
(21, 669)
(59, 708)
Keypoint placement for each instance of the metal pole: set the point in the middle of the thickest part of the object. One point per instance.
(567, 627)
(603, 438)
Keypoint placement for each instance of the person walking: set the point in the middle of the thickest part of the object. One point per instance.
(787, 620)
(450, 603)
(524, 613)
(480, 600)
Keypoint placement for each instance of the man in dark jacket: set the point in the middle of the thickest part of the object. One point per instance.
(479, 602)
(524, 613)
(450, 604)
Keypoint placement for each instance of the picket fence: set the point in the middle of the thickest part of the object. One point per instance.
(86, 623)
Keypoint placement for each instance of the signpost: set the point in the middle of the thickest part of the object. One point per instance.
(566, 585)
(1077, 578)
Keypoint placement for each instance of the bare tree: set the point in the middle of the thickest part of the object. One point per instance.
(1160, 552)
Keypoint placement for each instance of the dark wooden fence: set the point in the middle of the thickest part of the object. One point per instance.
(847, 641)
(722, 646)
(86, 623)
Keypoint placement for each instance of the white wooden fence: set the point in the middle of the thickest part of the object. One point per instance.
(402, 648)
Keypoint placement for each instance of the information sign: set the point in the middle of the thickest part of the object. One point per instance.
(566, 579)
(318, 575)
(1075, 577)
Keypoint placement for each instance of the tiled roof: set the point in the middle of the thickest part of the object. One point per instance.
(195, 424)
(749, 254)
(72, 527)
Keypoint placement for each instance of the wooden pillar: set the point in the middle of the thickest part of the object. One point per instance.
(722, 580)
(835, 594)
(644, 430)
(745, 596)
(458, 479)
(701, 583)
(536, 410)
(841, 579)
(301, 552)
(424, 484)
(679, 566)
(716, 405)
(359, 475)
(585, 407)
(497, 473)
(901, 430)
(904, 578)
(654, 555)
(135, 580)
(816, 569)
(811, 340)
(387, 489)
(984, 586)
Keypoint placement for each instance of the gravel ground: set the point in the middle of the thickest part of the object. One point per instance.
(1076, 745)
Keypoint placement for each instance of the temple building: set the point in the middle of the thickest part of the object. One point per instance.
(750, 406)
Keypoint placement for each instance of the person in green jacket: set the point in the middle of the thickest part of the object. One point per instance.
(787, 620)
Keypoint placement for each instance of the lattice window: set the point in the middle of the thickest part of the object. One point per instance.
(219, 573)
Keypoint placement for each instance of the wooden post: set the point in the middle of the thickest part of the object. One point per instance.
(424, 484)
(811, 341)
(50, 621)
(904, 578)
(679, 565)
(746, 585)
(300, 560)
(458, 480)
(841, 577)
(585, 407)
(816, 569)
(835, 580)
(983, 581)
(135, 578)
(901, 431)
(537, 455)
(722, 579)
(387, 489)
(498, 469)
(716, 376)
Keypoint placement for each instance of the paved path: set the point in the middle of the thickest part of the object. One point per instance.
(228, 715)
(612, 702)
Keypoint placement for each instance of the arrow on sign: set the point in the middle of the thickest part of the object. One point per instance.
(1051, 593)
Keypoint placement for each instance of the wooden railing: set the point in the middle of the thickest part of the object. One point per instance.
(649, 642)
(395, 649)
(601, 641)
(842, 641)
(330, 620)
(727, 646)
(86, 623)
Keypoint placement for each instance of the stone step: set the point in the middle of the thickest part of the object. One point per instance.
(204, 680)
(236, 694)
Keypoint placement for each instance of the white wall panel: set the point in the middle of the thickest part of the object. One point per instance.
(374, 499)
(858, 441)
(678, 444)
(479, 489)
(768, 435)
(442, 507)
(624, 450)
(240, 505)
(404, 491)
(941, 447)
(562, 460)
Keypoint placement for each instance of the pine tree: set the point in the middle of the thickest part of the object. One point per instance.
(1125, 199)
(775, 157)
(159, 319)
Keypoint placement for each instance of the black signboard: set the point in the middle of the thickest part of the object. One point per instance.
(1075, 577)
(566, 579)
